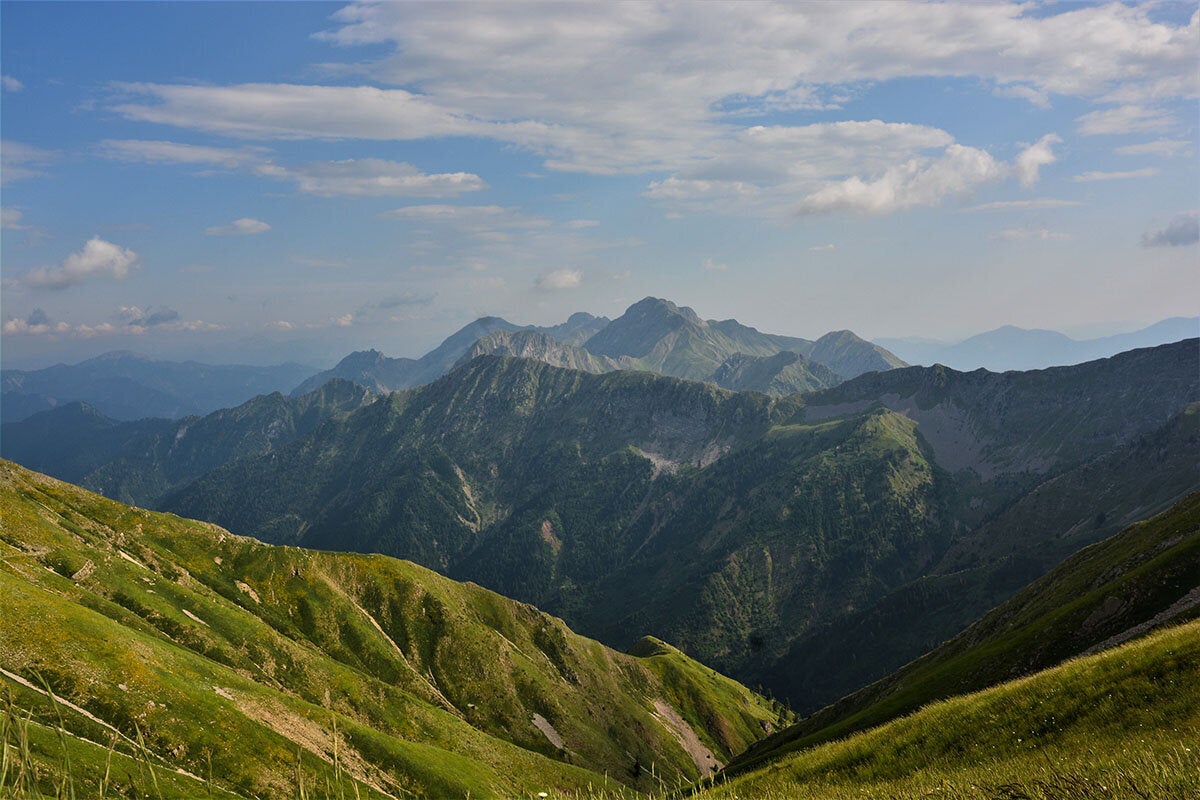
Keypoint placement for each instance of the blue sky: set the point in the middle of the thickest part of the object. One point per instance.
(263, 181)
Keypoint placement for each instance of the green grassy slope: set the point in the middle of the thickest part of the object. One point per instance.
(256, 658)
(1121, 724)
(1143, 577)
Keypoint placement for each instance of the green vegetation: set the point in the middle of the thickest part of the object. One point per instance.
(809, 544)
(1121, 724)
(1117, 589)
(173, 644)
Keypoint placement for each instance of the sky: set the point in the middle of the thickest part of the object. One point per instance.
(260, 182)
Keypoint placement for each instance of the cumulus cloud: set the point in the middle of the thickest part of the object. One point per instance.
(129, 321)
(919, 182)
(246, 226)
(137, 317)
(1033, 158)
(560, 279)
(1088, 177)
(97, 259)
(1124, 120)
(1181, 231)
(11, 84)
(372, 177)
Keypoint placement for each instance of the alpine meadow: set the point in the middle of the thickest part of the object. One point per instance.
(780, 400)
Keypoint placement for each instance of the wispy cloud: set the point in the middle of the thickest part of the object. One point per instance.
(11, 84)
(1030, 234)
(1166, 148)
(20, 161)
(363, 177)
(709, 265)
(1124, 120)
(1033, 204)
(1095, 175)
(246, 226)
(372, 177)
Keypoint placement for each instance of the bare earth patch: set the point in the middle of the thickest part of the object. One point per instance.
(702, 757)
(548, 730)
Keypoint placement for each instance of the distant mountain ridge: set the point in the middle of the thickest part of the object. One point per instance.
(124, 385)
(1013, 348)
(653, 335)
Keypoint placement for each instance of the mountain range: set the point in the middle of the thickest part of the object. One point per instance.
(1013, 348)
(810, 543)
(123, 385)
(653, 335)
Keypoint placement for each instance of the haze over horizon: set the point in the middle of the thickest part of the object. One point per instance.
(264, 182)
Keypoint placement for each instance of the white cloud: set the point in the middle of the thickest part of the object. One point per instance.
(714, 266)
(1030, 234)
(1181, 231)
(1033, 158)
(97, 259)
(290, 111)
(1166, 148)
(1036, 97)
(40, 325)
(365, 177)
(164, 152)
(373, 177)
(634, 87)
(19, 161)
(245, 226)
(1124, 120)
(581, 224)
(919, 182)
(11, 84)
(1087, 177)
(10, 219)
(1034, 204)
(822, 248)
(137, 317)
(560, 279)
(477, 220)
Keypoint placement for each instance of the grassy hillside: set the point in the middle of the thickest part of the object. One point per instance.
(1144, 577)
(182, 646)
(1120, 724)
